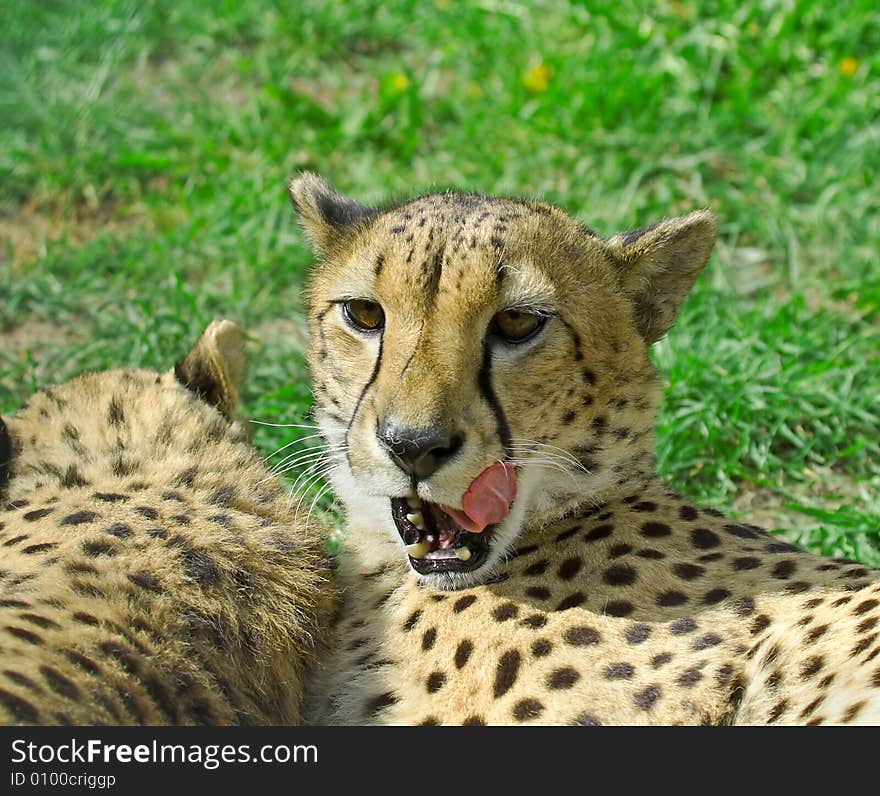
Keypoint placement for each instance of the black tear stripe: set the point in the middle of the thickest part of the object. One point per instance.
(5, 454)
(361, 397)
(379, 265)
(484, 379)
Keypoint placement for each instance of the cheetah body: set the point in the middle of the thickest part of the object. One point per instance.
(148, 572)
(601, 597)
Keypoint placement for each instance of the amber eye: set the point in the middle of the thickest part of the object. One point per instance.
(364, 315)
(516, 326)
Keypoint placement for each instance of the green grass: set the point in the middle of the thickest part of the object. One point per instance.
(153, 139)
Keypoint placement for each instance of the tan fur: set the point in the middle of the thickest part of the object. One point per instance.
(606, 598)
(150, 573)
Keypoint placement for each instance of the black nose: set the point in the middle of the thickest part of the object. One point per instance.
(419, 452)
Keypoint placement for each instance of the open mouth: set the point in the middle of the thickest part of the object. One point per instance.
(434, 541)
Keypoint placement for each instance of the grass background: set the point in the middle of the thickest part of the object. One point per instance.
(144, 148)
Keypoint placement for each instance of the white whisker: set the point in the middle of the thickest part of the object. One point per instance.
(283, 425)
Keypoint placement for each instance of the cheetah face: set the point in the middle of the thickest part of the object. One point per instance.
(481, 365)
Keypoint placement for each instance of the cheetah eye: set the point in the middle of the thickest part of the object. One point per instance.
(363, 315)
(517, 326)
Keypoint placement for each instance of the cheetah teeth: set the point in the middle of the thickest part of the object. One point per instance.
(417, 519)
(418, 550)
(463, 553)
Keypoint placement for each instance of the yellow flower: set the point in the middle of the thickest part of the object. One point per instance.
(399, 82)
(848, 66)
(681, 10)
(537, 78)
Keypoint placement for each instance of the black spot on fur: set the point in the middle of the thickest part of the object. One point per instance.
(222, 496)
(59, 683)
(714, 596)
(646, 698)
(19, 708)
(541, 648)
(599, 532)
(38, 548)
(581, 636)
(202, 567)
(505, 612)
(569, 568)
(671, 598)
(690, 677)
(619, 671)
(115, 412)
(110, 497)
(81, 661)
(412, 620)
(620, 575)
(24, 635)
(561, 537)
(743, 531)
(187, 477)
(534, 622)
(506, 672)
(146, 581)
(72, 478)
(79, 518)
(704, 539)
(98, 547)
(681, 626)
(380, 702)
(619, 608)
(527, 709)
(655, 529)
(462, 603)
(563, 678)
(120, 530)
(463, 653)
(572, 601)
(660, 660)
(706, 641)
(688, 571)
(37, 514)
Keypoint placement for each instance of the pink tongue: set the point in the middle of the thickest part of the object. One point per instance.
(487, 499)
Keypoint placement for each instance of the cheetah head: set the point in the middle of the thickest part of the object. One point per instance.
(136, 424)
(480, 364)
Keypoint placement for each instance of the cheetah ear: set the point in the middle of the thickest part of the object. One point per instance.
(215, 366)
(5, 455)
(658, 266)
(327, 217)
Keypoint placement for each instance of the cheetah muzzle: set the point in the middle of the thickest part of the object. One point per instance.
(445, 539)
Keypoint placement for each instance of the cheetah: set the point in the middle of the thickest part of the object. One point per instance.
(149, 574)
(481, 377)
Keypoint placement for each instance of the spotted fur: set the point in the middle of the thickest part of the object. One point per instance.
(606, 598)
(149, 573)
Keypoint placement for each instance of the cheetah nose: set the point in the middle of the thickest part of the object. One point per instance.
(419, 452)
